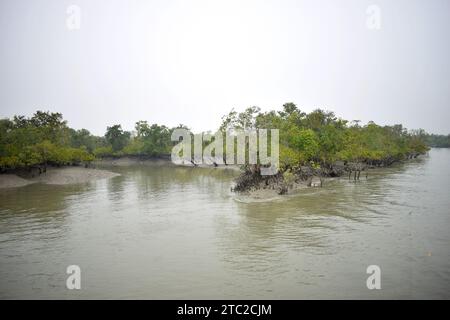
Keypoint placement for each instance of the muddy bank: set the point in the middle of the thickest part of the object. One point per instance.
(9, 180)
(71, 175)
(252, 183)
(251, 179)
(155, 161)
(269, 193)
(56, 176)
(129, 161)
(250, 186)
(98, 170)
(209, 166)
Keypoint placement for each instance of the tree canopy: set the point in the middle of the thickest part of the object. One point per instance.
(318, 137)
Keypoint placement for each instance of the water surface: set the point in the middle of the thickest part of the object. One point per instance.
(163, 232)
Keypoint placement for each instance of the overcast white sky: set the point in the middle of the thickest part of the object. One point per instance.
(191, 61)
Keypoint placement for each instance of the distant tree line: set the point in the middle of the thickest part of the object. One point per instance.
(318, 137)
(438, 141)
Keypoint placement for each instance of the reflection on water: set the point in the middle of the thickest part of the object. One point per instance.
(172, 232)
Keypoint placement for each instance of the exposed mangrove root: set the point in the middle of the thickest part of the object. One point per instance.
(251, 178)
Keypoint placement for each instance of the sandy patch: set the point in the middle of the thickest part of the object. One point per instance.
(57, 176)
(71, 175)
(12, 181)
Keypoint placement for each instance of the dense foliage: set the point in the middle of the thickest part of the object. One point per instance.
(314, 139)
(41, 139)
(45, 139)
(320, 138)
(438, 141)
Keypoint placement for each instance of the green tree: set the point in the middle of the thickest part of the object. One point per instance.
(116, 137)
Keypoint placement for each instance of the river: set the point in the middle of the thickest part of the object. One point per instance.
(162, 232)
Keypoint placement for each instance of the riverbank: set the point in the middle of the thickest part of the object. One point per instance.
(154, 161)
(259, 188)
(124, 161)
(252, 185)
(99, 169)
(249, 183)
(56, 176)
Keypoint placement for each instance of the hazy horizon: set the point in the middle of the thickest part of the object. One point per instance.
(191, 62)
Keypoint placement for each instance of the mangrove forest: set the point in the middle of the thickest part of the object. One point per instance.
(311, 144)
